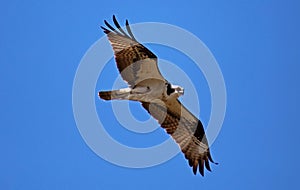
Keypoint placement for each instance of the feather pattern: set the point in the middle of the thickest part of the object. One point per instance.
(185, 129)
(134, 61)
(138, 67)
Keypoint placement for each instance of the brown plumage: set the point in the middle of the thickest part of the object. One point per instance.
(138, 67)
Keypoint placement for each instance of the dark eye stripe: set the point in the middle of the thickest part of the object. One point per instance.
(169, 89)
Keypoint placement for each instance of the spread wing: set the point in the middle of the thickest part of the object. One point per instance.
(185, 129)
(134, 61)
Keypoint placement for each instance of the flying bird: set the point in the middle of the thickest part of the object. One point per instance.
(138, 67)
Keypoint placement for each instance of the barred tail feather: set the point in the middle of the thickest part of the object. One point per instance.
(122, 94)
(105, 95)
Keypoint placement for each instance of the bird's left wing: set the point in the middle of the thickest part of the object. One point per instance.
(185, 129)
(134, 61)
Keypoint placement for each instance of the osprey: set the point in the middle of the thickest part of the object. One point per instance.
(138, 67)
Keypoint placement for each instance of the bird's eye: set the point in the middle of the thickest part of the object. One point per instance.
(170, 90)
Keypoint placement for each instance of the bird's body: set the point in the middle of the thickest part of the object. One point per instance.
(138, 67)
(148, 90)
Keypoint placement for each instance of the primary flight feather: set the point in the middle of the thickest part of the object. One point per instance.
(138, 67)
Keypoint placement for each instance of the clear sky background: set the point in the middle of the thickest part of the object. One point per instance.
(256, 44)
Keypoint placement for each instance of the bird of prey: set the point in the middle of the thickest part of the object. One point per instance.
(138, 67)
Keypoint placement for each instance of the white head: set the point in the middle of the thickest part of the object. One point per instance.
(173, 91)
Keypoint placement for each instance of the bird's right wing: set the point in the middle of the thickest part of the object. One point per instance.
(134, 61)
(185, 129)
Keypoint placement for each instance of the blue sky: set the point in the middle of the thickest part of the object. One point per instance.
(256, 44)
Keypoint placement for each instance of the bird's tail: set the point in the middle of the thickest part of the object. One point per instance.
(122, 94)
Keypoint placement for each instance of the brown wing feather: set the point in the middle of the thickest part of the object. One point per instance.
(185, 129)
(134, 61)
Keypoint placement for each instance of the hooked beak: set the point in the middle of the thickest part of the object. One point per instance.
(178, 89)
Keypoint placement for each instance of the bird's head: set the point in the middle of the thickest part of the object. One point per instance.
(173, 91)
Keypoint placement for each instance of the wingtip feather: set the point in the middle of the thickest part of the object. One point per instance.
(129, 30)
(210, 158)
(194, 171)
(207, 166)
(201, 167)
(105, 30)
(195, 167)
